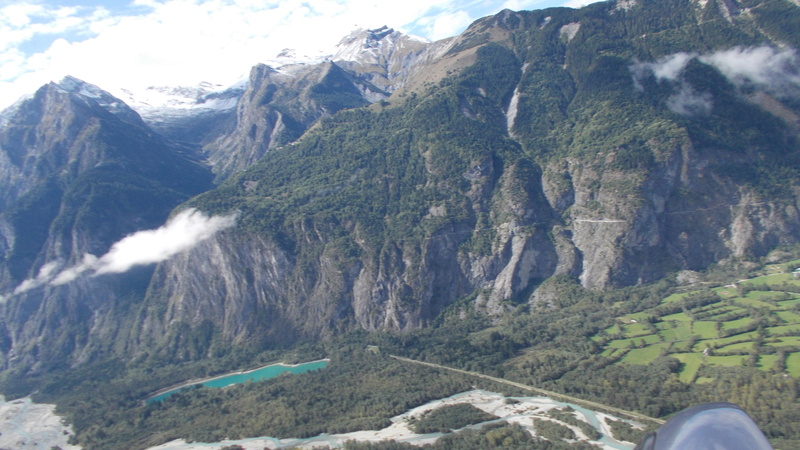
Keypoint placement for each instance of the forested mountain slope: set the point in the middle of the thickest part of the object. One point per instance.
(615, 145)
(507, 201)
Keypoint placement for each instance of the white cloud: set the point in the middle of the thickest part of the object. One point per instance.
(775, 71)
(684, 100)
(18, 15)
(69, 274)
(185, 42)
(667, 68)
(45, 274)
(23, 21)
(579, 3)
(448, 25)
(670, 67)
(689, 102)
(765, 67)
(182, 232)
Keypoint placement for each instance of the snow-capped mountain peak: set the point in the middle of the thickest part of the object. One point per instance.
(106, 100)
(163, 106)
(201, 96)
(375, 46)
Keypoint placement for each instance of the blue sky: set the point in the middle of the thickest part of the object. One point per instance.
(137, 43)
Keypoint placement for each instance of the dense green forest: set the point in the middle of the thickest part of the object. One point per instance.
(548, 347)
(449, 418)
(371, 183)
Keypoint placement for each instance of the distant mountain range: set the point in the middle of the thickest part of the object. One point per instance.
(372, 189)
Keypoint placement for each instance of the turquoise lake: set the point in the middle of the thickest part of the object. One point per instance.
(264, 373)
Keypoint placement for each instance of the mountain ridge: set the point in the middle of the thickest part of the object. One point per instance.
(536, 145)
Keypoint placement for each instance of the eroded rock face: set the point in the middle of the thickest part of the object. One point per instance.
(81, 170)
(679, 216)
(278, 107)
(534, 157)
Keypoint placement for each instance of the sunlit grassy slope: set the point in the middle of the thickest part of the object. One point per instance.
(754, 322)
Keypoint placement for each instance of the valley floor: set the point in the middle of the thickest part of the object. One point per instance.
(28, 425)
(516, 410)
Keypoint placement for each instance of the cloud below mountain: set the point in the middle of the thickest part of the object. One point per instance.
(182, 232)
(776, 71)
(666, 68)
(688, 102)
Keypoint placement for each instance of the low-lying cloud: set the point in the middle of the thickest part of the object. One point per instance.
(667, 68)
(765, 67)
(688, 102)
(776, 71)
(182, 232)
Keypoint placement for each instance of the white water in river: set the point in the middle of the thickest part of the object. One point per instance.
(28, 425)
(520, 411)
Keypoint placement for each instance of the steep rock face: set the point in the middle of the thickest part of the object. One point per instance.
(278, 106)
(55, 327)
(82, 171)
(387, 58)
(608, 144)
(213, 270)
(280, 103)
(387, 225)
(72, 143)
(541, 158)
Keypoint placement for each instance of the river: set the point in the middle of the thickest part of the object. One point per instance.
(520, 411)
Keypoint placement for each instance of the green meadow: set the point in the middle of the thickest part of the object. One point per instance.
(753, 322)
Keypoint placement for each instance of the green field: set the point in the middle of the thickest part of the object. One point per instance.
(725, 361)
(645, 355)
(767, 362)
(625, 343)
(793, 364)
(786, 341)
(789, 303)
(789, 316)
(751, 323)
(704, 330)
(635, 329)
(691, 364)
(722, 342)
(726, 292)
(771, 279)
(720, 310)
(736, 347)
(780, 330)
(679, 317)
(674, 331)
(738, 323)
(756, 299)
(675, 297)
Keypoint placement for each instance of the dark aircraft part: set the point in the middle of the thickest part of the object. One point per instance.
(713, 426)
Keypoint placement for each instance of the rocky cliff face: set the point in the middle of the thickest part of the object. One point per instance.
(387, 58)
(615, 144)
(598, 174)
(81, 170)
(280, 103)
(278, 106)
